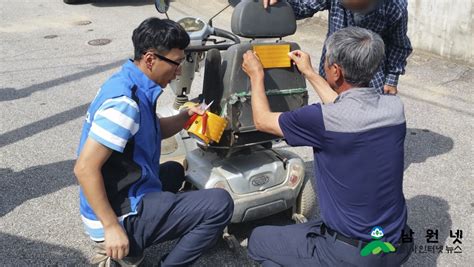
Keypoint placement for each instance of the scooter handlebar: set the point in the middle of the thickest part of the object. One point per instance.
(226, 34)
(218, 33)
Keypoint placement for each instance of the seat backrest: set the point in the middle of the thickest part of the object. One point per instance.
(251, 20)
(285, 87)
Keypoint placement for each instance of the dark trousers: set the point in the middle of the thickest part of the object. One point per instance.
(306, 245)
(197, 219)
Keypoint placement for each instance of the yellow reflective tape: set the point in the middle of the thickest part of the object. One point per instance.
(215, 127)
(273, 56)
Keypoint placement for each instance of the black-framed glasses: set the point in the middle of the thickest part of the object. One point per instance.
(177, 64)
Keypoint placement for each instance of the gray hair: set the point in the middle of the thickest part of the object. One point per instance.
(358, 51)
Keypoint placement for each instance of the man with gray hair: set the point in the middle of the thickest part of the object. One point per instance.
(357, 136)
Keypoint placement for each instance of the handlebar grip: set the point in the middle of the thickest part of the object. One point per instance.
(226, 34)
(219, 33)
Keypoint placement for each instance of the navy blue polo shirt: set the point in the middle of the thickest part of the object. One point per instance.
(358, 144)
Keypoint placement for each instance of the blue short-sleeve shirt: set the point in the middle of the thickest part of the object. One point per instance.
(358, 144)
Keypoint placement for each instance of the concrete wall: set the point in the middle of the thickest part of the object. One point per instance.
(443, 27)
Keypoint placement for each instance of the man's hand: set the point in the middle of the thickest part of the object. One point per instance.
(302, 61)
(266, 3)
(320, 85)
(252, 65)
(391, 90)
(116, 241)
(195, 110)
(264, 119)
(173, 124)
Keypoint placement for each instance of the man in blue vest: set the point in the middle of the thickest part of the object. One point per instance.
(128, 201)
(357, 136)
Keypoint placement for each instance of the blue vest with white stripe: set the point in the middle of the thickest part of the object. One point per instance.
(135, 172)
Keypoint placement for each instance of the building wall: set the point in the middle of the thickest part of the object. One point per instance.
(443, 27)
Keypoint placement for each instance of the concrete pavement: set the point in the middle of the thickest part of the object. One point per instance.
(49, 74)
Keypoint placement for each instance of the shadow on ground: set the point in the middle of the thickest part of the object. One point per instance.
(9, 94)
(114, 3)
(421, 144)
(427, 212)
(36, 127)
(18, 187)
(27, 252)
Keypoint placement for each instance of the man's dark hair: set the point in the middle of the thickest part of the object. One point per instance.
(161, 35)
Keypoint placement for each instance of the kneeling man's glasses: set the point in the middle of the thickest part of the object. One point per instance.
(176, 63)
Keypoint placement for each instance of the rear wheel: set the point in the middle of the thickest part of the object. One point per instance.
(306, 201)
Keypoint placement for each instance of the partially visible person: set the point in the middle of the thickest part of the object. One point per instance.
(357, 136)
(128, 201)
(388, 18)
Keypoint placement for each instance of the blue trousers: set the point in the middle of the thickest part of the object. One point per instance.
(197, 219)
(305, 244)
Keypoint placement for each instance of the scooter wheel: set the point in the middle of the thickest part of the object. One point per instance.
(231, 241)
(298, 218)
(306, 201)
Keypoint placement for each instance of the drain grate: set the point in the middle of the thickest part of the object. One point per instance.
(99, 42)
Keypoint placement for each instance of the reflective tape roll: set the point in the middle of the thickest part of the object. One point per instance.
(215, 127)
(195, 130)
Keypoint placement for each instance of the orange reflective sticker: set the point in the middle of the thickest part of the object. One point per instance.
(273, 56)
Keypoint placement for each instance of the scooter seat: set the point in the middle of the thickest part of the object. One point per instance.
(285, 87)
